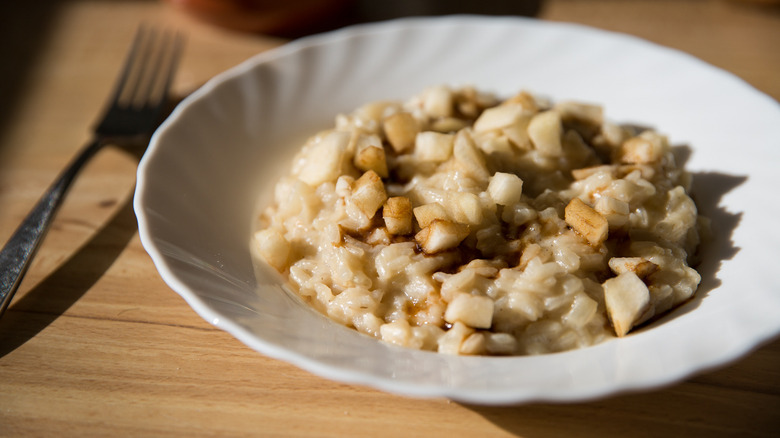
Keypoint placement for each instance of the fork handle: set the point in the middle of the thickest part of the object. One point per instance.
(17, 253)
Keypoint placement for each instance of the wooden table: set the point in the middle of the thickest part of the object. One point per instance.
(96, 344)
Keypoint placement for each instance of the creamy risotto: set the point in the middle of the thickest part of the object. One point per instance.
(461, 223)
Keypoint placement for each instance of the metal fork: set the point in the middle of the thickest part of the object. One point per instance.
(132, 114)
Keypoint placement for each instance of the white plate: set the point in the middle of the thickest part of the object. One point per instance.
(199, 181)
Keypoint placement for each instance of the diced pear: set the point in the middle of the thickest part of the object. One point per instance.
(626, 297)
(464, 208)
(545, 131)
(614, 210)
(473, 310)
(498, 117)
(517, 133)
(438, 101)
(646, 171)
(398, 332)
(646, 148)
(397, 213)
(585, 172)
(469, 157)
(474, 344)
(586, 221)
(433, 146)
(452, 340)
(374, 111)
(344, 185)
(325, 159)
(273, 247)
(493, 144)
(427, 213)
(524, 99)
(505, 188)
(441, 235)
(589, 114)
(370, 155)
(401, 129)
(582, 309)
(638, 265)
(471, 102)
(641, 150)
(368, 193)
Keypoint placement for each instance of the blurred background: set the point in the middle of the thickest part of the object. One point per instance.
(301, 17)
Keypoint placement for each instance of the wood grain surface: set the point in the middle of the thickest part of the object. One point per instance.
(95, 344)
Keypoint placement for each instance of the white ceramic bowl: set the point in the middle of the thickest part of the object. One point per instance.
(199, 182)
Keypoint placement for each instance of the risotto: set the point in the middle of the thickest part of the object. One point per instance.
(461, 223)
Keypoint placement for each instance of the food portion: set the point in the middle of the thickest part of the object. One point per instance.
(461, 223)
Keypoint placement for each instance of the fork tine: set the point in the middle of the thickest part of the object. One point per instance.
(141, 92)
(144, 80)
(130, 65)
(143, 68)
(149, 67)
(153, 69)
(164, 67)
(173, 63)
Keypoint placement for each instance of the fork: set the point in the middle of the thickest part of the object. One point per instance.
(132, 114)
